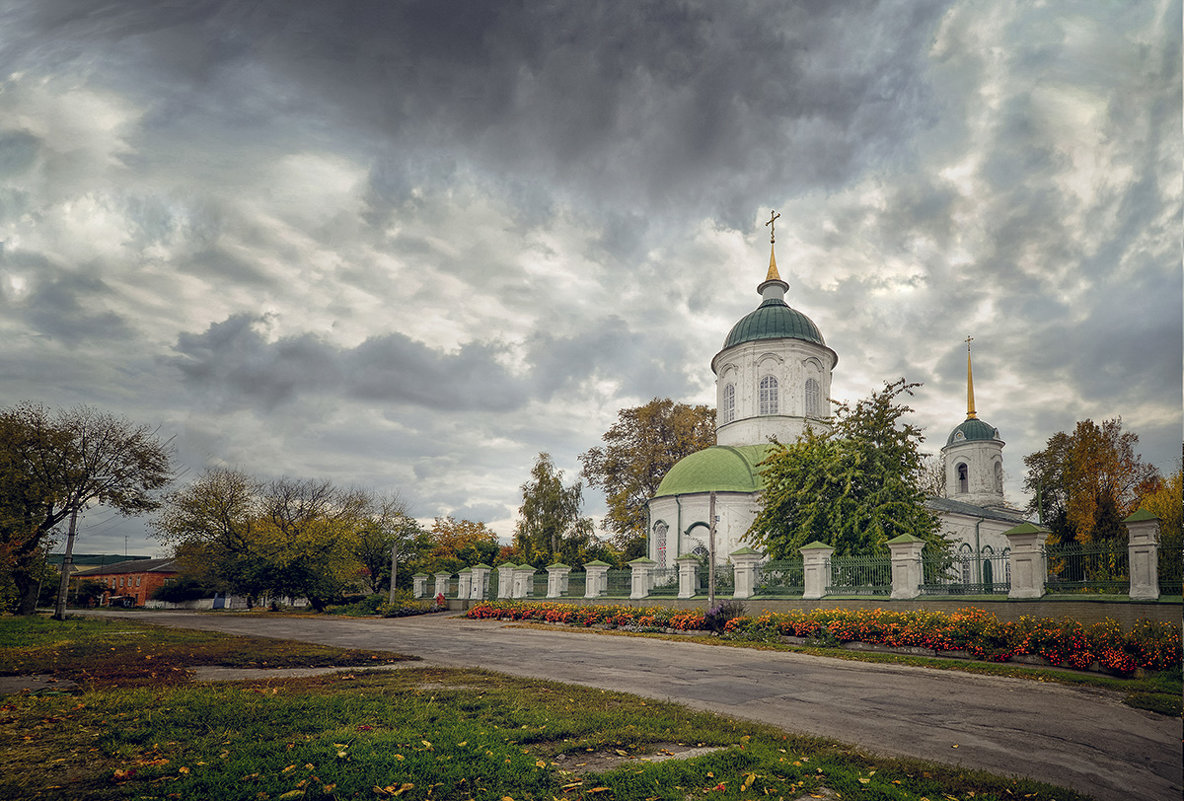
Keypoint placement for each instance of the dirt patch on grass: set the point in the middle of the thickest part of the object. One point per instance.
(578, 764)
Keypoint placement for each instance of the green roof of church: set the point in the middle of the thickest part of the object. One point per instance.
(722, 468)
(773, 319)
(973, 429)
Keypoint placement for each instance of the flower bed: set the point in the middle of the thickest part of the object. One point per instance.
(980, 635)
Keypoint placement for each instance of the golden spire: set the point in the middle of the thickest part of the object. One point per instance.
(773, 274)
(970, 415)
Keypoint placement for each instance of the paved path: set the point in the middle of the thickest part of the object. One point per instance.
(1080, 738)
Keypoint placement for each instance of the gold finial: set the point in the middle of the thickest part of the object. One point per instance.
(773, 274)
(970, 415)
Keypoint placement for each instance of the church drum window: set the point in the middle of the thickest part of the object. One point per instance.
(728, 412)
(999, 477)
(813, 404)
(768, 395)
(963, 479)
(660, 530)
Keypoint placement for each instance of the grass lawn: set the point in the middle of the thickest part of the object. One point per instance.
(423, 733)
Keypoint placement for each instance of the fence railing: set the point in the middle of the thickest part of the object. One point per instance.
(1171, 568)
(781, 577)
(860, 575)
(957, 574)
(664, 581)
(620, 583)
(725, 579)
(1087, 567)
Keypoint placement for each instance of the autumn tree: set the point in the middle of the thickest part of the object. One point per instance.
(455, 544)
(550, 526)
(55, 464)
(288, 537)
(1084, 484)
(386, 536)
(854, 488)
(640, 448)
(1166, 501)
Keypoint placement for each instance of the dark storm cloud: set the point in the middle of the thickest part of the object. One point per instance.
(672, 102)
(60, 305)
(235, 361)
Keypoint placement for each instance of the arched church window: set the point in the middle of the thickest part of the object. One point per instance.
(964, 556)
(813, 400)
(768, 395)
(1007, 565)
(988, 554)
(660, 529)
(728, 411)
(999, 477)
(963, 479)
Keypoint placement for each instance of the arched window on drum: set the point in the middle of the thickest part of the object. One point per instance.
(813, 398)
(727, 412)
(768, 395)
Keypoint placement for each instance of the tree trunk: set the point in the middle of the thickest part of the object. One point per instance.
(26, 589)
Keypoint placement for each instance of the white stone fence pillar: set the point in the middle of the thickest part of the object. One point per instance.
(906, 566)
(441, 585)
(1028, 571)
(816, 569)
(479, 587)
(1142, 530)
(744, 562)
(688, 576)
(596, 578)
(523, 581)
(640, 577)
(557, 578)
(419, 585)
(464, 583)
(505, 580)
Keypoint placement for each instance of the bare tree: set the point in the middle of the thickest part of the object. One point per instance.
(54, 465)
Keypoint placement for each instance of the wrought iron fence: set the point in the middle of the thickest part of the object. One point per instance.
(966, 574)
(576, 584)
(491, 588)
(664, 582)
(620, 583)
(860, 575)
(781, 577)
(725, 579)
(539, 585)
(1088, 567)
(1171, 565)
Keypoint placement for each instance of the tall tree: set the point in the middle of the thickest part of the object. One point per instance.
(287, 537)
(55, 464)
(640, 448)
(1166, 501)
(854, 488)
(458, 543)
(1084, 484)
(386, 536)
(550, 526)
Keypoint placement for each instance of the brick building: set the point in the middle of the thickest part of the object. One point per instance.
(132, 582)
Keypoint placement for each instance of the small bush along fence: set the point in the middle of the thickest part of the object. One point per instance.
(977, 634)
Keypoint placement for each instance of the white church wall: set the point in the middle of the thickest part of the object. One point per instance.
(791, 362)
(690, 513)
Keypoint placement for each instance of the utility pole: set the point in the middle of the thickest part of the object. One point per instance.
(711, 550)
(59, 610)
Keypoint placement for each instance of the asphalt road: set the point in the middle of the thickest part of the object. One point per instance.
(1080, 738)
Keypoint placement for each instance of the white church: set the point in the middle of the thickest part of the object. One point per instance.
(773, 380)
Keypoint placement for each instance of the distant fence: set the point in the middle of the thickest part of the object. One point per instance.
(1138, 566)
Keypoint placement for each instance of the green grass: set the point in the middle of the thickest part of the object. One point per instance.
(423, 733)
(100, 653)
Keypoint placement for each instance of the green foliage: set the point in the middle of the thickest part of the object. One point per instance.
(286, 538)
(56, 463)
(640, 448)
(853, 488)
(550, 527)
(185, 588)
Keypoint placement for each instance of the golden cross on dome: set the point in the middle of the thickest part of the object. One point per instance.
(773, 217)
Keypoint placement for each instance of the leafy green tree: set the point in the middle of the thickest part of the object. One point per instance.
(287, 537)
(854, 488)
(53, 465)
(550, 526)
(1083, 484)
(640, 448)
(1166, 501)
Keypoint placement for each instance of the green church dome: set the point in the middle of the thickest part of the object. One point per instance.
(721, 468)
(774, 319)
(973, 429)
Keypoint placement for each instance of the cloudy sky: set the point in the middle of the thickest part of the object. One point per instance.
(409, 245)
